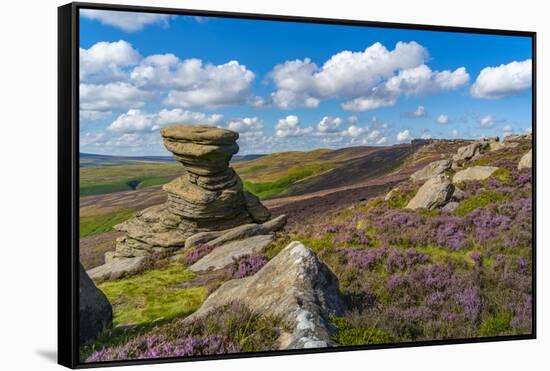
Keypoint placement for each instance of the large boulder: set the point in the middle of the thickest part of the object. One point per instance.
(469, 151)
(474, 173)
(294, 286)
(526, 161)
(436, 192)
(94, 310)
(431, 170)
(223, 255)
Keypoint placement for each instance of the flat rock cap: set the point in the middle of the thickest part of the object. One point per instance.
(201, 134)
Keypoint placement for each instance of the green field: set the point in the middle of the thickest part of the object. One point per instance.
(117, 178)
(90, 225)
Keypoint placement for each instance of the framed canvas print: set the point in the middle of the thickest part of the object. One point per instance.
(236, 185)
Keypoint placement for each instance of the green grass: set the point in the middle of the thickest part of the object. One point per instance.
(152, 297)
(479, 200)
(495, 325)
(279, 186)
(126, 184)
(91, 225)
(400, 199)
(349, 335)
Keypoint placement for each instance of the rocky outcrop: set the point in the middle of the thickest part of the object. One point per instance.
(432, 169)
(474, 173)
(526, 161)
(94, 310)
(469, 151)
(223, 255)
(209, 197)
(435, 193)
(294, 286)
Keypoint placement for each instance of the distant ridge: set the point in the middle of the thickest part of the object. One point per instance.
(92, 159)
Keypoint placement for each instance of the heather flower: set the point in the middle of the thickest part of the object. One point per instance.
(246, 265)
(197, 253)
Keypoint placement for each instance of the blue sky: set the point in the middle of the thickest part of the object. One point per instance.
(293, 86)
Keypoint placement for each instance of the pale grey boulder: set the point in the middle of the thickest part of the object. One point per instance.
(474, 173)
(95, 313)
(434, 193)
(294, 286)
(526, 161)
(247, 230)
(431, 170)
(115, 268)
(223, 255)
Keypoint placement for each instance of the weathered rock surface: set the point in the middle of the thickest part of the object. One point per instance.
(458, 194)
(432, 169)
(94, 310)
(294, 286)
(450, 206)
(435, 193)
(217, 238)
(526, 161)
(474, 173)
(223, 255)
(115, 268)
(517, 138)
(468, 152)
(209, 197)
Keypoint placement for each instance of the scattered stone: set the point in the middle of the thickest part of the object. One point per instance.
(458, 194)
(474, 173)
(435, 193)
(223, 255)
(94, 310)
(526, 161)
(432, 169)
(294, 286)
(115, 268)
(450, 206)
(517, 138)
(209, 197)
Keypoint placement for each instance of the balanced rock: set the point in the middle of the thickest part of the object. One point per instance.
(436, 192)
(294, 286)
(208, 197)
(526, 161)
(94, 310)
(474, 173)
(432, 169)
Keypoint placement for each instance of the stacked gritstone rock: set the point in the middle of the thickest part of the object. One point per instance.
(208, 197)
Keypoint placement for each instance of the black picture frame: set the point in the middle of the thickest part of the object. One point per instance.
(68, 177)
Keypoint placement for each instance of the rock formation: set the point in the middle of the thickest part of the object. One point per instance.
(474, 173)
(294, 286)
(208, 197)
(436, 192)
(94, 310)
(432, 169)
(469, 151)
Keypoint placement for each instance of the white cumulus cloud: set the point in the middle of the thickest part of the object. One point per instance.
(403, 136)
(136, 120)
(106, 60)
(246, 125)
(504, 80)
(442, 119)
(487, 121)
(126, 21)
(115, 95)
(420, 111)
(290, 127)
(368, 79)
(329, 124)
